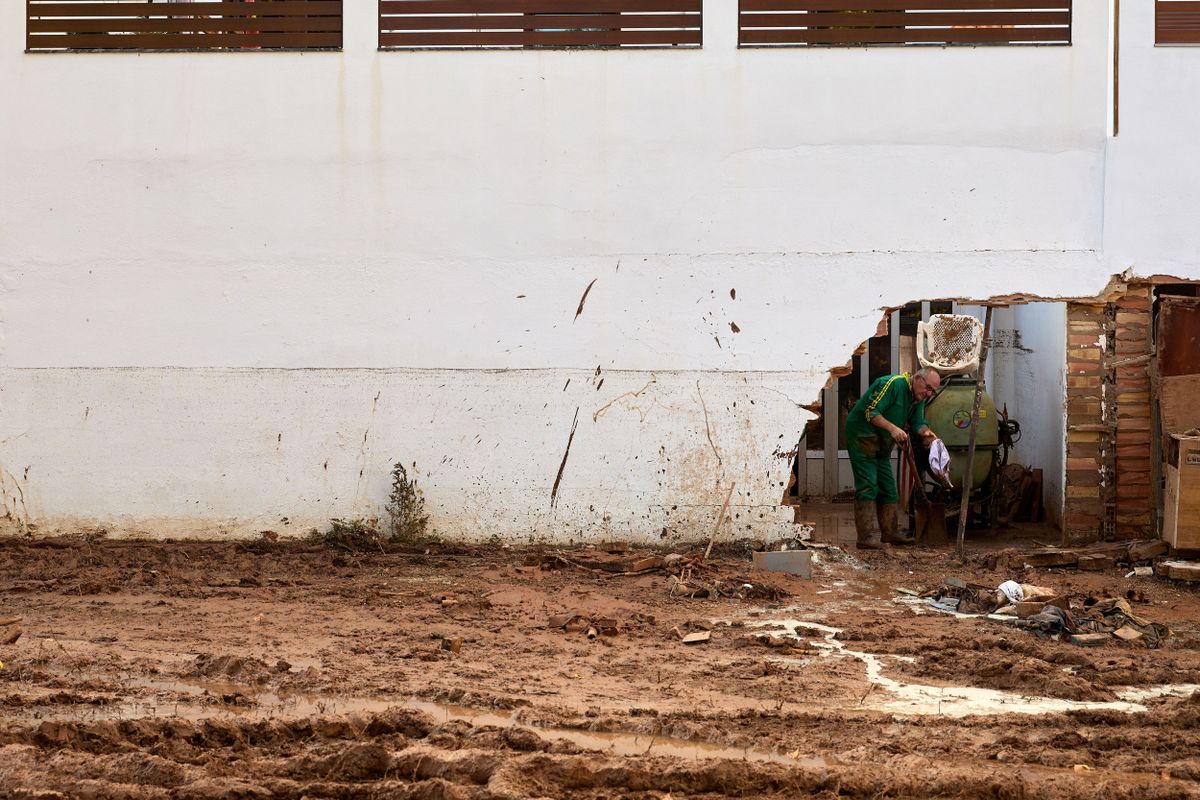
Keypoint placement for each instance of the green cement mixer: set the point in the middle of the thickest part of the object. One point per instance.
(949, 415)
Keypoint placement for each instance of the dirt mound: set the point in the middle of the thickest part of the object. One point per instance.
(239, 668)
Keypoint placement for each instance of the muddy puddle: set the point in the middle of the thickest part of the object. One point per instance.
(956, 701)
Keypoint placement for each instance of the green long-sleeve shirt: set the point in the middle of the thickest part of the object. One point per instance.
(890, 396)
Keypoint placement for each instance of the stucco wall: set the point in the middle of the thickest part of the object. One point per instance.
(1152, 208)
(186, 238)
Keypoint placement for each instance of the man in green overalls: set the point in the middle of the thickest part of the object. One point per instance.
(878, 420)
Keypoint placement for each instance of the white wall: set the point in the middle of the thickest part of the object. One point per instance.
(1152, 174)
(1029, 376)
(186, 238)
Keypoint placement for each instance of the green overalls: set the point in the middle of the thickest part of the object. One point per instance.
(871, 448)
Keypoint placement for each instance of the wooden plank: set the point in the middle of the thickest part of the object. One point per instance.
(904, 5)
(402, 7)
(178, 9)
(901, 18)
(536, 38)
(209, 41)
(856, 36)
(541, 22)
(179, 25)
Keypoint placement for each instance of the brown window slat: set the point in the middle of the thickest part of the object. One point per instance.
(197, 9)
(901, 19)
(526, 22)
(218, 25)
(177, 25)
(389, 8)
(904, 5)
(1176, 22)
(424, 24)
(902, 36)
(539, 38)
(850, 23)
(182, 41)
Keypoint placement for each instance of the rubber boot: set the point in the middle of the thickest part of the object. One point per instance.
(866, 526)
(889, 524)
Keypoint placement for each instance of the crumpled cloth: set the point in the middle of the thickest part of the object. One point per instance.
(939, 462)
(1013, 591)
(1052, 621)
(1111, 613)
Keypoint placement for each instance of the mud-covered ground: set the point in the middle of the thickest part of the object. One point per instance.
(271, 670)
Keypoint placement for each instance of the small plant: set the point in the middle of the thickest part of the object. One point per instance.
(407, 520)
(355, 535)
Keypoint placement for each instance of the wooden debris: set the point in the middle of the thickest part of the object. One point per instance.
(1051, 557)
(11, 635)
(9, 621)
(1144, 551)
(696, 637)
(1090, 639)
(1128, 633)
(1180, 570)
(1096, 563)
(1027, 608)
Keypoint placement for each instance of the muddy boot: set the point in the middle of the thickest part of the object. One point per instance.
(889, 524)
(866, 526)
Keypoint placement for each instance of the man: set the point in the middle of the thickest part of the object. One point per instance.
(879, 420)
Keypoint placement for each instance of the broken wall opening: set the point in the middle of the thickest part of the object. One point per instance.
(1025, 375)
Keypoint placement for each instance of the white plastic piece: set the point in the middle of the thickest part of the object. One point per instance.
(950, 343)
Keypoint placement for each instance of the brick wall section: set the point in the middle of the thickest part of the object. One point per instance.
(1134, 511)
(1089, 424)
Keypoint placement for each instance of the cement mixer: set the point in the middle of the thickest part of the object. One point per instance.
(951, 344)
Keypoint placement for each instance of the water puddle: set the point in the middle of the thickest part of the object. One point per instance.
(961, 701)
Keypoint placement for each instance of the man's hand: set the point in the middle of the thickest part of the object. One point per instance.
(928, 436)
(899, 436)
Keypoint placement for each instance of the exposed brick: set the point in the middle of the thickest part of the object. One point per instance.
(1083, 382)
(1134, 424)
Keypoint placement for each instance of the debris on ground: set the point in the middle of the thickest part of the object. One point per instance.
(1097, 557)
(793, 562)
(615, 562)
(10, 630)
(1049, 614)
(1180, 570)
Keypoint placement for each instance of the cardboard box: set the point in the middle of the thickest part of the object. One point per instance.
(1181, 500)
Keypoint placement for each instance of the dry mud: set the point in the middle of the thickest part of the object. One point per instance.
(267, 670)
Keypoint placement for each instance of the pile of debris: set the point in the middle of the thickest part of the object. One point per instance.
(1094, 558)
(690, 575)
(1046, 613)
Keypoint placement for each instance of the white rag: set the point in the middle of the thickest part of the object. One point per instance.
(939, 462)
(1013, 591)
